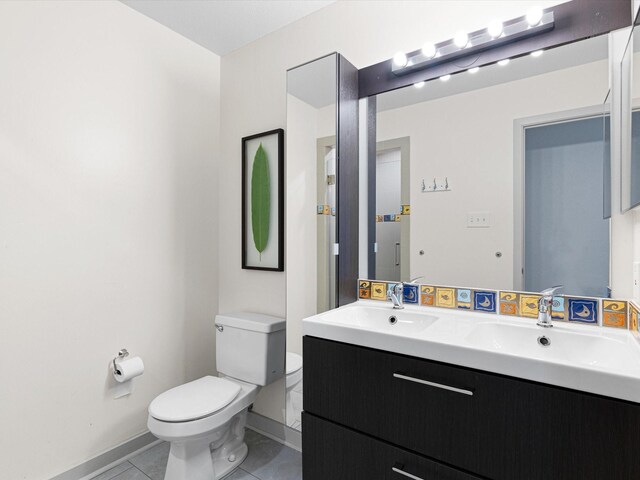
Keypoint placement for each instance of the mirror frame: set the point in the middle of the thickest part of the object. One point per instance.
(575, 20)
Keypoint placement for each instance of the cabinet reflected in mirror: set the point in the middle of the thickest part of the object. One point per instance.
(310, 212)
(630, 172)
(507, 178)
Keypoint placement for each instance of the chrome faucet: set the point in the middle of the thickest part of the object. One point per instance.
(395, 293)
(545, 306)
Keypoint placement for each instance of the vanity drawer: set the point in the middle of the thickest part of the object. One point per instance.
(497, 427)
(337, 453)
(380, 394)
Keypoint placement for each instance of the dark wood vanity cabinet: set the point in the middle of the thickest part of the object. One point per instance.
(341, 453)
(367, 410)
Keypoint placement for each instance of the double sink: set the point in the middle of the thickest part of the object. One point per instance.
(602, 361)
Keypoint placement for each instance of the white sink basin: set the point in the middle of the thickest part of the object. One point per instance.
(378, 318)
(589, 348)
(604, 361)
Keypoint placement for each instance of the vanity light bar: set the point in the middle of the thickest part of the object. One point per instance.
(477, 42)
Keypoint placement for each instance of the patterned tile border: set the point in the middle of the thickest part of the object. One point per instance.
(392, 217)
(326, 210)
(582, 310)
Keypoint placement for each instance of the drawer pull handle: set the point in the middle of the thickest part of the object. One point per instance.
(434, 384)
(398, 470)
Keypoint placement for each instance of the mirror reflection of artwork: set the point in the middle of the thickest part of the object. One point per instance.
(262, 201)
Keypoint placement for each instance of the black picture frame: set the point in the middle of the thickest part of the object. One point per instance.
(277, 266)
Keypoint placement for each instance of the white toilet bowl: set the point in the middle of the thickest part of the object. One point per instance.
(293, 385)
(204, 420)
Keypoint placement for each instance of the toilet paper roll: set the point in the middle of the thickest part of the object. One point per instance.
(128, 369)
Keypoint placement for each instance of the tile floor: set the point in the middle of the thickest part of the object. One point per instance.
(267, 460)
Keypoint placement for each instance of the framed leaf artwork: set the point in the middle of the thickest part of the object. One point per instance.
(263, 201)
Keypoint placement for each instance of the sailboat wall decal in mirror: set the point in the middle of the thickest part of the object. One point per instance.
(263, 201)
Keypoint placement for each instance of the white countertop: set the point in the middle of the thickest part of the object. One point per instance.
(600, 360)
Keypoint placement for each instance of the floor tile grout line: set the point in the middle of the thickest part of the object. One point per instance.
(249, 473)
(114, 475)
(145, 475)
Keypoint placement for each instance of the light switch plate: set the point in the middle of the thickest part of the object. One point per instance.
(478, 220)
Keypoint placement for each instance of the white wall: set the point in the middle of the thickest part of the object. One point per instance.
(473, 147)
(108, 224)
(254, 99)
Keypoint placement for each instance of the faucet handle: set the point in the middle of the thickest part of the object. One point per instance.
(394, 288)
(550, 292)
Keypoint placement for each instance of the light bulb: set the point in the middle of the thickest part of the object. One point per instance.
(419, 84)
(504, 62)
(429, 50)
(400, 59)
(445, 78)
(461, 39)
(473, 70)
(495, 28)
(534, 15)
(537, 53)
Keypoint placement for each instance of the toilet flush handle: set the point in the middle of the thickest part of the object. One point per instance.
(220, 327)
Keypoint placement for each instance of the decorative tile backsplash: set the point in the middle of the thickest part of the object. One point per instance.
(326, 210)
(394, 217)
(584, 310)
(615, 313)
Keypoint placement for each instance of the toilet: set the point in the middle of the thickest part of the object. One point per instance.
(204, 420)
(293, 385)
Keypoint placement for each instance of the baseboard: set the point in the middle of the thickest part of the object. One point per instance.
(97, 465)
(275, 430)
(110, 459)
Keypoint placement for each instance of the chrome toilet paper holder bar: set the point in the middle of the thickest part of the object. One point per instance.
(121, 354)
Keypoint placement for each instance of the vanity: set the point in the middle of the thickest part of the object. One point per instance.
(493, 166)
(448, 396)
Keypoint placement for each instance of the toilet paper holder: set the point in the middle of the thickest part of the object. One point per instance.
(121, 354)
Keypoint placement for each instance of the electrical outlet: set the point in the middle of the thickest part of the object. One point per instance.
(478, 220)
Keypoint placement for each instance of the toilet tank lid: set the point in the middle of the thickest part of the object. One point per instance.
(255, 322)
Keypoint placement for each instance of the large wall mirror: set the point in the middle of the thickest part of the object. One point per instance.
(630, 168)
(497, 177)
(311, 212)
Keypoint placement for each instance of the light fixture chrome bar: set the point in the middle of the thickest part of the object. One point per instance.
(478, 42)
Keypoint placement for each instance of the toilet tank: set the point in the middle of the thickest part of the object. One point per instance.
(250, 347)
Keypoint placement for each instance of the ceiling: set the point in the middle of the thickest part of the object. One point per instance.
(225, 25)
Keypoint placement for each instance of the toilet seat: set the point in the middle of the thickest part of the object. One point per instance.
(293, 369)
(194, 400)
(293, 363)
